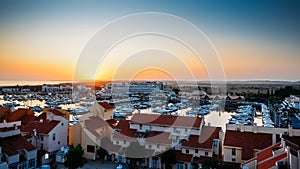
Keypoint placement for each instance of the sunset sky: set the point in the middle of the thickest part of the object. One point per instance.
(255, 40)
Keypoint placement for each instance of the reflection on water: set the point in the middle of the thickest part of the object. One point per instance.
(214, 118)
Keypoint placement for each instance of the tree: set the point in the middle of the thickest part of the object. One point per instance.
(74, 157)
(208, 164)
(168, 158)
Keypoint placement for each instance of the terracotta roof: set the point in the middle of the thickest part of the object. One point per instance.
(3, 112)
(12, 145)
(293, 142)
(205, 139)
(123, 124)
(159, 138)
(42, 116)
(271, 162)
(113, 123)
(56, 112)
(128, 134)
(248, 141)
(265, 154)
(93, 123)
(22, 114)
(41, 127)
(27, 119)
(168, 120)
(125, 132)
(106, 105)
(183, 157)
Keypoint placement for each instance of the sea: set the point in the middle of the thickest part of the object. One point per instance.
(24, 82)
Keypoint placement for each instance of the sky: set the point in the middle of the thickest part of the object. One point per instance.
(255, 40)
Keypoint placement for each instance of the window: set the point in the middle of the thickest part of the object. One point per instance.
(233, 151)
(118, 142)
(124, 141)
(141, 126)
(206, 153)
(31, 163)
(42, 146)
(90, 149)
(186, 130)
(187, 151)
(233, 159)
(53, 137)
(196, 151)
(42, 138)
(216, 143)
(150, 127)
(157, 145)
(62, 124)
(58, 142)
(30, 141)
(150, 146)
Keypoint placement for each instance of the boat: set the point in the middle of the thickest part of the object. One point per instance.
(36, 109)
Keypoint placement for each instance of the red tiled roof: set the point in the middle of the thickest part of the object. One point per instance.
(272, 161)
(183, 157)
(41, 127)
(42, 116)
(16, 115)
(293, 142)
(112, 123)
(128, 134)
(168, 120)
(106, 105)
(27, 119)
(123, 124)
(3, 113)
(205, 140)
(264, 154)
(248, 141)
(267, 153)
(159, 138)
(125, 132)
(12, 145)
(56, 112)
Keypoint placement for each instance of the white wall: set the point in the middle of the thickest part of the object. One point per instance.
(3, 165)
(61, 135)
(179, 130)
(260, 129)
(160, 148)
(201, 152)
(13, 159)
(227, 151)
(31, 154)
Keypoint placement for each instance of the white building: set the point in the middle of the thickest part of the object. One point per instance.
(15, 151)
(242, 143)
(186, 135)
(48, 132)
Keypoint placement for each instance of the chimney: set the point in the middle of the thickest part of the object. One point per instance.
(290, 131)
(254, 128)
(242, 127)
(34, 132)
(273, 138)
